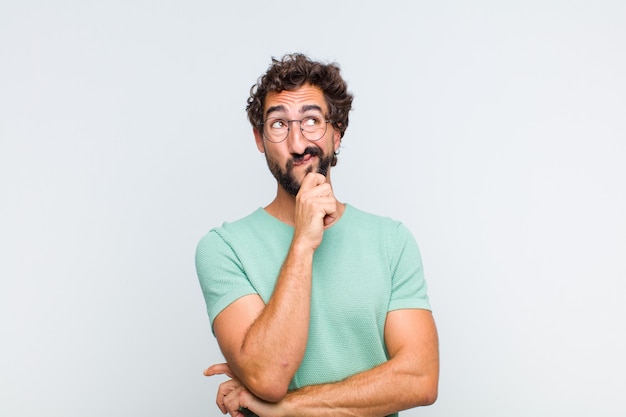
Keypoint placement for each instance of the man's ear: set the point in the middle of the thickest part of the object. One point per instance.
(258, 138)
(336, 139)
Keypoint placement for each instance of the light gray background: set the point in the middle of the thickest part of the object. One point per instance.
(494, 130)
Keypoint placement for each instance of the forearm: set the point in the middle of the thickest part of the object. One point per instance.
(275, 343)
(383, 390)
(408, 379)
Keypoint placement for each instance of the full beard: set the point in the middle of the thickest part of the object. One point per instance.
(286, 179)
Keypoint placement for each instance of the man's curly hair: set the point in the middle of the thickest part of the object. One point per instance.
(290, 73)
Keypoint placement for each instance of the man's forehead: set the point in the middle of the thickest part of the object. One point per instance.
(300, 100)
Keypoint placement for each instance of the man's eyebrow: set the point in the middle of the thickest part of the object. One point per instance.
(274, 109)
(308, 107)
(304, 109)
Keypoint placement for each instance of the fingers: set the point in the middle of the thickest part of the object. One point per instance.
(219, 369)
(224, 390)
(232, 398)
(312, 179)
(329, 219)
(315, 189)
(316, 210)
(231, 394)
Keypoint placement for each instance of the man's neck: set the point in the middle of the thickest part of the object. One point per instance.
(283, 207)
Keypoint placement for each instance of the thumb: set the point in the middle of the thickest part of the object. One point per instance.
(219, 369)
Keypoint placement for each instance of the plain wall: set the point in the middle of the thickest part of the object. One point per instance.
(494, 130)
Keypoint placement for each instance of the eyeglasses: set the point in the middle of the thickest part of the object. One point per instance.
(313, 128)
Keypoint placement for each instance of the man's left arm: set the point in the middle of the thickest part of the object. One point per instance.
(408, 379)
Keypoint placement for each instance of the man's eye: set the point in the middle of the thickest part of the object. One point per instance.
(277, 124)
(312, 121)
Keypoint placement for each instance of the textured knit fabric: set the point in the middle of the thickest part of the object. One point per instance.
(365, 267)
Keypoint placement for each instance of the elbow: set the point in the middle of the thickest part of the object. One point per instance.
(430, 397)
(267, 390)
(268, 383)
(423, 391)
(428, 393)
(271, 394)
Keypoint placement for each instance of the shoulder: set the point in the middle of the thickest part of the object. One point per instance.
(356, 218)
(259, 231)
(368, 227)
(241, 227)
(223, 244)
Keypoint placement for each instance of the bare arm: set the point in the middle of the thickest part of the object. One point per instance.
(409, 379)
(264, 344)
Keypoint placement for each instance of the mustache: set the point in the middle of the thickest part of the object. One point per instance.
(310, 150)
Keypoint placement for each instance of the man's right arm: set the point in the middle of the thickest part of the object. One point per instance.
(265, 344)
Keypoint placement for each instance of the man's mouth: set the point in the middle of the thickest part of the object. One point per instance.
(305, 157)
(300, 160)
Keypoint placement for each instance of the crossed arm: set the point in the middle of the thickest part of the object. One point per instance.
(408, 379)
(265, 344)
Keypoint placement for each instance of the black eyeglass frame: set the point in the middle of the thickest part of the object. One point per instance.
(264, 123)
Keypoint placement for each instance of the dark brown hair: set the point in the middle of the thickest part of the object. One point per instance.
(290, 73)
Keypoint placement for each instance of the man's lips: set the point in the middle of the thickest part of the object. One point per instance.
(301, 160)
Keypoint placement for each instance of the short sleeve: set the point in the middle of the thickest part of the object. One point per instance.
(221, 274)
(409, 288)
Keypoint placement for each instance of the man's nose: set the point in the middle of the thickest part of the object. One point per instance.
(296, 140)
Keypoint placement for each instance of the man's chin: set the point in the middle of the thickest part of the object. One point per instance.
(291, 178)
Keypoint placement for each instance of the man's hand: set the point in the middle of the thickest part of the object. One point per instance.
(316, 210)
(230, 392)
(235, 399)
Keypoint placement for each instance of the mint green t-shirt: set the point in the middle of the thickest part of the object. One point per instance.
(366, 266)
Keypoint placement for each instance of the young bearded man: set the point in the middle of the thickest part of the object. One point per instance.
(319, 309)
